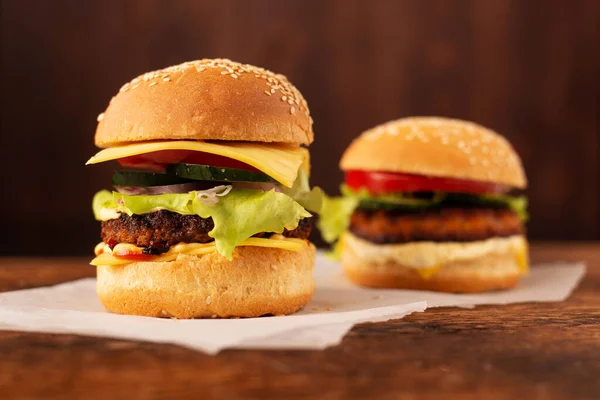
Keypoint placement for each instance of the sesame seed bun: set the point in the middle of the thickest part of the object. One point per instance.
(206, 100)
(439, 147)
(492, 270)
(258, 281)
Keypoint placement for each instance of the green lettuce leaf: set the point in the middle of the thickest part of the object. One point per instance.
(311, 199)
(334, 218)
(102, 199)
(237, 215)
(246, 212)
(518, 204)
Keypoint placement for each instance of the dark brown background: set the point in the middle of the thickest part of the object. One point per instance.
(528, 69)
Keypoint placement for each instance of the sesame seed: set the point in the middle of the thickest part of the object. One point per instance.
(283, 98)
(208, 300)
(275, 82)
(100, 117)
(274, 267)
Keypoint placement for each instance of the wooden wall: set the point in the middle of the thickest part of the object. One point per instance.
(528, 69)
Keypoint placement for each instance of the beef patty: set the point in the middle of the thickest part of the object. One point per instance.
(160, 230)
(437, 225)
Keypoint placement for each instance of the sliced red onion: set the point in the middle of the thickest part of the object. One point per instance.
(211, 196)
(205, 189)
(150, 190)
(264, 186)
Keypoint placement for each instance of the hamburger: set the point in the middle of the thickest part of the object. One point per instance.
(429, 203)
(211, 210)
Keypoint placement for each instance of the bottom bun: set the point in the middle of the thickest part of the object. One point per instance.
(492, 271)
(258, 281)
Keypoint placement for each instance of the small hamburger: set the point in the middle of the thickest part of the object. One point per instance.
(210, 212)
(428, 205)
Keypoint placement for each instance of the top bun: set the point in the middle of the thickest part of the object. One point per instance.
(206, 100)
(439, 147)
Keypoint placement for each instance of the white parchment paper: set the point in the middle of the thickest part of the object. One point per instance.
(337, 305)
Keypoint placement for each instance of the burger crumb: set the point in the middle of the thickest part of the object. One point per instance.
(376, 297)
(328, 309)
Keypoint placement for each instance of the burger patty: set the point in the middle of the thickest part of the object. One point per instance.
(160, 230)
(437, 225)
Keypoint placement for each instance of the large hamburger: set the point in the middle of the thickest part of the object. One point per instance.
(210, 215)
(429, 204)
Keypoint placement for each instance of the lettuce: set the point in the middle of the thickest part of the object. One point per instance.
(334, 218)
(237, 215)
(246, 212)
(312, 200)
(102, 199)
(518, 204)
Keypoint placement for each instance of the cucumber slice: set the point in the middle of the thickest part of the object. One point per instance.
(136, 178)
(221, 174)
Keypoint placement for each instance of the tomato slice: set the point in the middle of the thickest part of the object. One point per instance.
(379, 182)
(132, 255)
(159, 160)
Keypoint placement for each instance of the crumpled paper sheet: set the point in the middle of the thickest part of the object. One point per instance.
(337, 305)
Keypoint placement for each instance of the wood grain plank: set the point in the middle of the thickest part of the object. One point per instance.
(545, 350)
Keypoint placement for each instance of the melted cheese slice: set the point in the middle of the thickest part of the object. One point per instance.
(281, 162)
(106, 256)
(427, 258)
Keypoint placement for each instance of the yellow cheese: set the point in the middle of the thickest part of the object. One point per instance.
(522, 258)
(427, 273)
(279, 161)
(104, 255)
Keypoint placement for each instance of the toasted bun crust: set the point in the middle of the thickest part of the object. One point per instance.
(256, 282)
(491, 272)
(438, 147)
(206, 100)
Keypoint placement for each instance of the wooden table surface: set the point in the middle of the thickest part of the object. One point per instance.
(524, 351)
